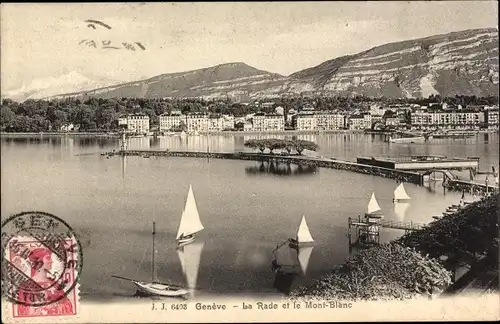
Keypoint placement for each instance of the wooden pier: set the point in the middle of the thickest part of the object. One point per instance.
(369, 229)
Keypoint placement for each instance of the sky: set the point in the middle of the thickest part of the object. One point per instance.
(43, 40)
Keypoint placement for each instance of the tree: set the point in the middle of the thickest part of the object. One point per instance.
(301, 145)
(6, 117)
(256, 144)
(289, 146)
(275, 144)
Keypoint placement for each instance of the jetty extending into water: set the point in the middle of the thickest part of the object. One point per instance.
(331, 163)
(423, 163)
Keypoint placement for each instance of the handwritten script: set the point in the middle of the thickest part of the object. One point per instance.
(107, 44)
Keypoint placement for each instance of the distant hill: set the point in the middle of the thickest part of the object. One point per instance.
(218, 81)
(47, 87)
(463, 63)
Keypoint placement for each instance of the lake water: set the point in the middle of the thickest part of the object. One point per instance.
(247, 207)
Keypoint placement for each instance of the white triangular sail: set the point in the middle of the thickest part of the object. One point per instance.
(304, 256)
(400, 193)
(400, 210)
(304, 235)
(190, 219)
(373, 205)
(189, 256)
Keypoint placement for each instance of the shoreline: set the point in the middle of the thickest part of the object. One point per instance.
(434, 256)
(232, 133)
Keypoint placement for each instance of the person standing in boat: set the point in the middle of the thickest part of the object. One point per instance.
(41, 267)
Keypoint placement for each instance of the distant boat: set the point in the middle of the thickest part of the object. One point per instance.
(400, 194)
(303, 234)
(405, 137)
(189, 256)
(155, 288)
(190, 220)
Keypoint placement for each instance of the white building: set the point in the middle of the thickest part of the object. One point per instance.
(491, 116)
(169, 122)
(320, 121)
(392, 121)
(136, 123)
(279, 110)
(215, 123)
(268, 122)
(228, 121)
(326, 120)
(305, 122)
(197, 122)
(67, 128)
(357, 122)
(447, 120)
(247, 126)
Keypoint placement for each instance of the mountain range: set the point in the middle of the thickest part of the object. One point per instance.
(457, 63)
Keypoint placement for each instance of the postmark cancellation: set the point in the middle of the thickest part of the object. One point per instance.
(41, 262)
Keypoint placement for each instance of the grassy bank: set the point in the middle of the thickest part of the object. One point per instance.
(418, 263)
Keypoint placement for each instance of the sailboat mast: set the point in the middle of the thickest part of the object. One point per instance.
(153, 257)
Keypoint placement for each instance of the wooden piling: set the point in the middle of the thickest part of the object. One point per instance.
(349, 230)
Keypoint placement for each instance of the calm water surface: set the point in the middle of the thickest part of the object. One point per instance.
(246, 207)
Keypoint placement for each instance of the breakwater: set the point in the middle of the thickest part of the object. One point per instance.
(404, 176)
(399, 175)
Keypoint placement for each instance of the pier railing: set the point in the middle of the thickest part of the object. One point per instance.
(407, 226)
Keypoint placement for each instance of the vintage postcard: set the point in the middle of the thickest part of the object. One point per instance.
(249, 162)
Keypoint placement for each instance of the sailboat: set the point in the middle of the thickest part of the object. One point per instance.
(190, 220)
(298, 252)
(400, 194)
(155, 288)
(189, 256)
(303, 234)
(373, 209)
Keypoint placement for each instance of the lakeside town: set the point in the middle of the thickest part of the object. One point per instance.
(378, 118)
(443, 117)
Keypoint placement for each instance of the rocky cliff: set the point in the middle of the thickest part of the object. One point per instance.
(463, 63)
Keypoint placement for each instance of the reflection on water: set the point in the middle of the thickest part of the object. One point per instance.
(281, 169)
(343, 146)
(114, 200)
(189, 257)
(198, 143)
(400, 209)
(283, 282)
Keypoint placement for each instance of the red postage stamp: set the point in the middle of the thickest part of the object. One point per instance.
(41, 271)
(44, 268)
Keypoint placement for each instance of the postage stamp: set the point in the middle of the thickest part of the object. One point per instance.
(41, 262)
